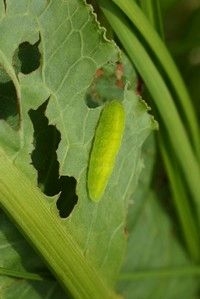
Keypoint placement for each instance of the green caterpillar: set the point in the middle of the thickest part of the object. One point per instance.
(106, 144)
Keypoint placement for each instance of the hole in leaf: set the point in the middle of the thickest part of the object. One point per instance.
(27, 57)
(9, 106)
(108, 84)
(44, 159)
(68, 198)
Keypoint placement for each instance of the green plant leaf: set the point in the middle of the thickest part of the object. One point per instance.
(160, 267)
(52, 144)
(156, 263)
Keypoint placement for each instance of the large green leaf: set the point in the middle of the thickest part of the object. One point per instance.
(156, 264)
(50, 57)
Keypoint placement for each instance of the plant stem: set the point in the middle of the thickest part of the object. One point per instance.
(28, 207)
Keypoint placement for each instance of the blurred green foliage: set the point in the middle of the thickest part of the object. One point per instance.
(182, 23)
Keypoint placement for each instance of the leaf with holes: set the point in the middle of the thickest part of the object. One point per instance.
(47, 67)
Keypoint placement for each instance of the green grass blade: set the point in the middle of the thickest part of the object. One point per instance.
(145, 28)
(152, 10)
(185, 215)
(22, 275)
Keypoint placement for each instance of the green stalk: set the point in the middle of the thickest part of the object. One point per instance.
(139, 20)
(29, 208)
